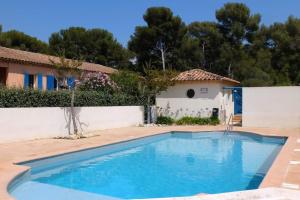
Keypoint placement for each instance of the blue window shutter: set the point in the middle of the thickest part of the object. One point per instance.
(71, 82)
(40, 81)
(50, 82)
(26, 80)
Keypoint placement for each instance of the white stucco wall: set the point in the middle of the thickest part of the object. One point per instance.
(271, 107)
(176, 104)
(32, 123)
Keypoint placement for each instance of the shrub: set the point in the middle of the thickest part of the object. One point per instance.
(36, 98)
(93, 81)
(197, 121)
(214, 121)
(164, 120)
(127, 82)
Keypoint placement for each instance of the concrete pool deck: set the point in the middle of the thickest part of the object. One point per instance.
(284, 173)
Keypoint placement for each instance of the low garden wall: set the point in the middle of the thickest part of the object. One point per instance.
(47, 122)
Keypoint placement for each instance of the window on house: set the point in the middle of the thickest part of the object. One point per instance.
(190, 93)
(204, 90)
(31, 81)
(3, 73)
(55, 83)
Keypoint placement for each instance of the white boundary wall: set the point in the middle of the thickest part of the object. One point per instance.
(33, 123)
(277, 107)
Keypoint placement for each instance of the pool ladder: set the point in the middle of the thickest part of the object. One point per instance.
(229, 126)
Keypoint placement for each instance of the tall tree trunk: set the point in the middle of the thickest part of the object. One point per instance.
(148, 110)
(73, 112)
(203, 52)
(163, 59)
(229, 71)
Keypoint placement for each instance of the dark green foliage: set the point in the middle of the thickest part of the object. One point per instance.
(197, 121)
(236, 23)
(128, 82)
(238, 28)
(152, 83)
(188, 120)
(18, 40)
(164, 120)
(91, 45)
(284, 39)
(131, 84)
(204, 48)
(36, 98)
(162, 26)
(214, 121)
(235, 45)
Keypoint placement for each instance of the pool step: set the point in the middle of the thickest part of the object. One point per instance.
(45, 191)
(237, 120)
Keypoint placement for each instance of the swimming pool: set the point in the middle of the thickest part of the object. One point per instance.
(164, 165)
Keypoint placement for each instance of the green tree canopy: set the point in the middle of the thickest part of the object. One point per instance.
(127, 81)
(235, 45)
(285, 48)
(18, 40)
(236, 22)
(238, 27)
(162, 28)
(208, 38)
(92, 45)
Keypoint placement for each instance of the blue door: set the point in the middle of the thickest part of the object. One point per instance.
(238, 100)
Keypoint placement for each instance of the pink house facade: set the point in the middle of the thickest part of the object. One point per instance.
(22, 69)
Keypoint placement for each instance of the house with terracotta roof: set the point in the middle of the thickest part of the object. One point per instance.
(198, 93)
(24, 69)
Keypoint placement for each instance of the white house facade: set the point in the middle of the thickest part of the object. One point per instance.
(197, 93)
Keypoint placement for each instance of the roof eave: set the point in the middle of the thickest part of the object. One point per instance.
(19, 61)
(202, 80)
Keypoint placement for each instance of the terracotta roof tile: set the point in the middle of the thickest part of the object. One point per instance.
(201, 75)
(8, 54)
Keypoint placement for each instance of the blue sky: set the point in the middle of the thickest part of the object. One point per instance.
(40, 18)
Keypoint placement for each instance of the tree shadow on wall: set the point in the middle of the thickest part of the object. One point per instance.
(167, 111)
(69, 122)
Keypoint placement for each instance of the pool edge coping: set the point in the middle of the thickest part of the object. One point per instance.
(19, 170)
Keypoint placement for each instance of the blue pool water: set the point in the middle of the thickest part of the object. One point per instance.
(167, 165)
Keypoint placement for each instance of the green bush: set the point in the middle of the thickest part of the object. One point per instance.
(127, 81)
(164, 120)
(36, 98)
(197, 121)
(214, 121)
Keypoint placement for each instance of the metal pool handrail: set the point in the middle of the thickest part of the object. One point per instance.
(229, 126)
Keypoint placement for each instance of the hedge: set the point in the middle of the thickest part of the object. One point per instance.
(164, 120)
(198, 121)
(187, 120)
(36, 98)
